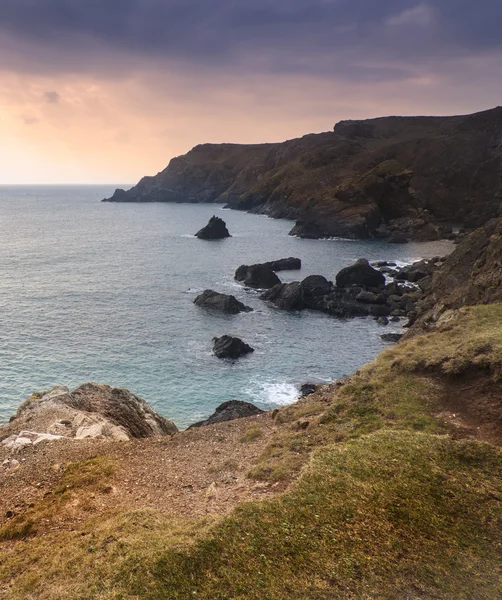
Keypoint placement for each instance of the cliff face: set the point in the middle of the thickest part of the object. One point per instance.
(372, 177)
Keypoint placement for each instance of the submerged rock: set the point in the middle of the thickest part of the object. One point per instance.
(90, 411)
(216, 229)
(224, 303)
(230, 411)
(230, 347)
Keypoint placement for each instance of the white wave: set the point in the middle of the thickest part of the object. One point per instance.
(277, 394)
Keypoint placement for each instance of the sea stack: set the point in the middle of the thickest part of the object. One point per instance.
(216, 229)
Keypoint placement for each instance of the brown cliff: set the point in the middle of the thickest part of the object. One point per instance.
(372, 177)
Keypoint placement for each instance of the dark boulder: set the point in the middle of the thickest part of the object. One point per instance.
(221, 302)
(286, 296)
(307, 389)
(316, 285)
(257, 276)
(230, 411)
(216, 229)
(362, 274)
(230, 347)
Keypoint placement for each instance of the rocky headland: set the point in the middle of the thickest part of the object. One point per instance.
(399, 178)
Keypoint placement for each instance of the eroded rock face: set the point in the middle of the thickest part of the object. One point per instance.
(230, 411)
(224, 303)
(230, 347)
(216, 229)
(90, 411)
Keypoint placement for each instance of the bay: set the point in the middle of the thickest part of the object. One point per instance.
(93, 291)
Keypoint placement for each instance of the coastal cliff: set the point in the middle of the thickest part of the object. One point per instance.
(406, 176)
(387, 484)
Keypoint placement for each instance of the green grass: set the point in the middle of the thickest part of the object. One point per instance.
(391, 515)
(387, 506)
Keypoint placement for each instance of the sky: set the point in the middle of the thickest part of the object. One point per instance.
(106, 91)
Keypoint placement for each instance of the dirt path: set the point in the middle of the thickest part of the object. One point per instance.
(196, 473)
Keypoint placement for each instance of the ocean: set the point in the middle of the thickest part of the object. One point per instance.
(103, 292)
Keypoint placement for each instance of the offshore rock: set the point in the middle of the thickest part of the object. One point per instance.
(90, 411)
(224, 303)
(261, 277)
(230, 411)
(216, 229)
(230, 347)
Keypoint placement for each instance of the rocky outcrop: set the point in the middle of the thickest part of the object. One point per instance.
(230, 347)
(224, 303)
(216, 229)
(230, 411)
(361, 291)
(90, 411)
(394, 177)
(260, 277)
(469, 276)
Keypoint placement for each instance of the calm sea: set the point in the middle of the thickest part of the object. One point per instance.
(101, 292)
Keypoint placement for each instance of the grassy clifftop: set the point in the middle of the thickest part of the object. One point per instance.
(393, 493)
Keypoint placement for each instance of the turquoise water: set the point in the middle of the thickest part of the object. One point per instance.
(102, 292)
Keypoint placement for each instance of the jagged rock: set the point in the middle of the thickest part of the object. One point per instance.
(216, 229)
(257, 276)
(360, 273)
(230, 411)
(90, 411)
(224, 303)
(230, 347)
(391, 337)
(286, 296)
